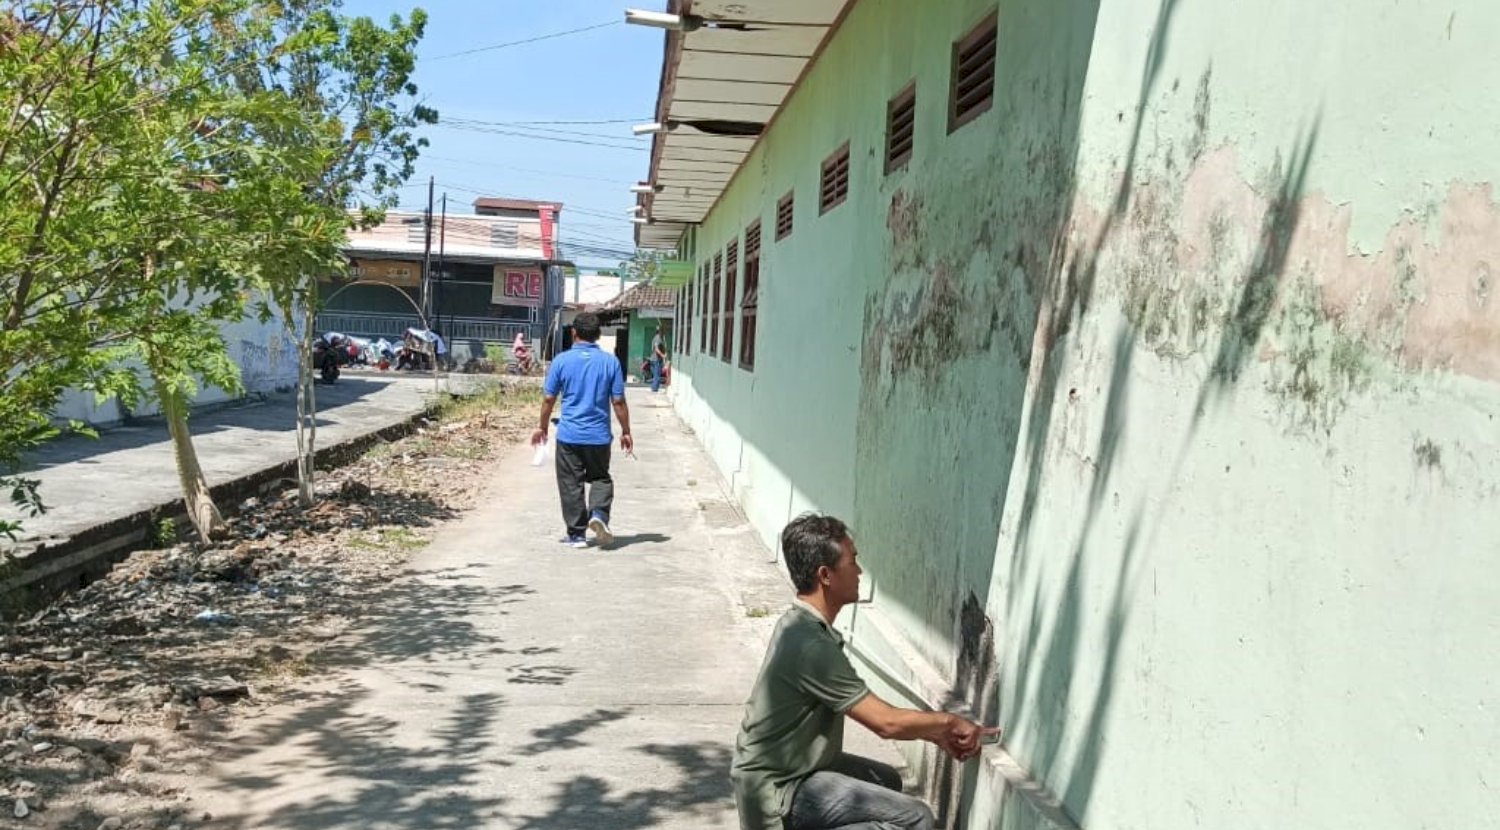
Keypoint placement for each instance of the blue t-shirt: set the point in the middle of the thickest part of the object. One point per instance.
(587, 379)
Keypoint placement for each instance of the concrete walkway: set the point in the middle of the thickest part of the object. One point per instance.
(86, 482)
(509, 682)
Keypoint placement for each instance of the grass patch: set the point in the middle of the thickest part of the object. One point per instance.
(386, 539)
(380, 452)
(488, 401)
(163, 532)
(466, 450)
(280, 665)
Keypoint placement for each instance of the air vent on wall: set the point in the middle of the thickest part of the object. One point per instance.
(833, 187)
(973, 74)
(901, 122)
(784, 217)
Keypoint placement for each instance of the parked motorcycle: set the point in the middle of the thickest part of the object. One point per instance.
(329, 352)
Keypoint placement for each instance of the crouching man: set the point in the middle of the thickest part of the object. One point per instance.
(790, 771)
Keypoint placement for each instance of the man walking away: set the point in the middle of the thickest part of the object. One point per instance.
(658, 359)
(590, 383)
(790, 771)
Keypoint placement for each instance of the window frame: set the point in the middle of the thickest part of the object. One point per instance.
(838, 158)
(985, 28)
(750, 297)
(718, 297)
(726, 311)
(907, 98)
(788, 201)
(703, 308)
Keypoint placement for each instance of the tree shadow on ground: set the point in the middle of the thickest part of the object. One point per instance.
(353, 767)
(566, 735)
(587, 802)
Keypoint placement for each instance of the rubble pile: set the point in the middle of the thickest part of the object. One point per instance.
(172, 640)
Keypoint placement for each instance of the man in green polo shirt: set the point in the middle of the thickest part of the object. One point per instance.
(790, 771)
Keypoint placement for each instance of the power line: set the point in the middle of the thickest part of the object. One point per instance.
(496, 131)
(509, 44)
(586, 211)
(447, 160)
(596, 121)
(466, 123)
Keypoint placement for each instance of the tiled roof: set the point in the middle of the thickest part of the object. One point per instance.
(643, 295)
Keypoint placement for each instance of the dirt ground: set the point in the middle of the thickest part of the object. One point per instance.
(111, 693)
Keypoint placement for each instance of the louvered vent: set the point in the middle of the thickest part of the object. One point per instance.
(833, 186)
(973, 75)
(784, 217)
(901, 123)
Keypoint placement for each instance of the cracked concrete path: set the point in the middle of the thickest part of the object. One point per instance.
(509, 682)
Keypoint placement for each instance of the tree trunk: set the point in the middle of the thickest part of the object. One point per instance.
(195, 493)
(307, 401)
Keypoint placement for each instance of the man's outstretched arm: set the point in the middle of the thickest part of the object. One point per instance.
(957, 736)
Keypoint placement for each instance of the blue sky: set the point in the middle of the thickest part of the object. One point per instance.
(605, 74)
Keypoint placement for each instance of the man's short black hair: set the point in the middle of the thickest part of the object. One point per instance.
(586, 326)
(809, 542)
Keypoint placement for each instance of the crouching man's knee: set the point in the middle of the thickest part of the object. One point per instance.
(918, 817)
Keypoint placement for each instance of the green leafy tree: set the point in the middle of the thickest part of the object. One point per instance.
(164, 172)
(643, 267)
(356, 75)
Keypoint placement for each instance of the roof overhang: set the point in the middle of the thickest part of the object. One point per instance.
(717, 80)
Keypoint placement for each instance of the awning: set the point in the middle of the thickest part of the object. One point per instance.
(717, 80)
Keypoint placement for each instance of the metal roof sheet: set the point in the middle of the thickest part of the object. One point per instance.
(729, 75)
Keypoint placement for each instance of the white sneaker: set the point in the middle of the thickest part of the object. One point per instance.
(602, 534)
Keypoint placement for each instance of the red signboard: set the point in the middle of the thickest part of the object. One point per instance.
(519, 288)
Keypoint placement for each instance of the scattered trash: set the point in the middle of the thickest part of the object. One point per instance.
(101, 681)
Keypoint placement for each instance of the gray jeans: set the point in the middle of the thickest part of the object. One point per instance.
(577, 465)
(855, 794)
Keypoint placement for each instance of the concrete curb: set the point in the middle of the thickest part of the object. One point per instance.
(58, 564)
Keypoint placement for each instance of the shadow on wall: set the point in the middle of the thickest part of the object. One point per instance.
(1066, 722)
(993, 260)
(948, 341)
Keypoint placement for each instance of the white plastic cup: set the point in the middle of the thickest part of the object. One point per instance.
(539, 457)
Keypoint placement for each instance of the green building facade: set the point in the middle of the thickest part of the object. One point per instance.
(1160, 389)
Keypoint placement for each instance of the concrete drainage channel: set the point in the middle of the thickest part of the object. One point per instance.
(56, 566)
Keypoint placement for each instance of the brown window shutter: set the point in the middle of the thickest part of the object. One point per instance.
(834, 183)
(784, 209)
(973, 74)
(901, 124)
(731, 278)
(751, 300)
(718, 299)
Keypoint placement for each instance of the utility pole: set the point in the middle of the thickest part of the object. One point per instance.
(443, 274)
(427, 257)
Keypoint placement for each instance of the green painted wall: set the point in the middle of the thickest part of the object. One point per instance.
(1162, 397)
(641, 331)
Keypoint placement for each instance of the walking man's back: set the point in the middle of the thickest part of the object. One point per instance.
(590, 383)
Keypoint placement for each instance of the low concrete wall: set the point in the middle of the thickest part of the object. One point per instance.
(59, 565)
